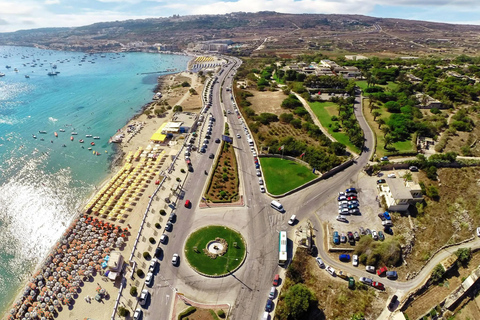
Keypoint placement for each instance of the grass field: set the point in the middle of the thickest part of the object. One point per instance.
(324, 112)
(282, 175)
(222, 264)
(362, 84)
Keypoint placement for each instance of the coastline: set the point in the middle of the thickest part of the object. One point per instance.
(117, 158)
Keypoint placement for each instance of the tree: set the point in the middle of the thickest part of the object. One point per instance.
(123, 312)
(464, 255)
(296, 123)
(286, 117)
(376, 114)
(192, 91)
(380, 122)
(437, 273)
(185, 84)
(388, 140)
(297, 301)
(133, 291)
(177, 108)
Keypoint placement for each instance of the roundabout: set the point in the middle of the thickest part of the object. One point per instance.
(215, 251)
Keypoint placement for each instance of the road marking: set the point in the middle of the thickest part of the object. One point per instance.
(168, 297)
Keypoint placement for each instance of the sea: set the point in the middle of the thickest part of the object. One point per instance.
(44, 180)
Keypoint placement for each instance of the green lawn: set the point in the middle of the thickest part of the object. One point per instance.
(324, 112)
(222, 264)
(362, 84)
(282, 175)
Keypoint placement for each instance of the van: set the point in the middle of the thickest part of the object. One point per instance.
(265, 316)
(277, 206)
(250, 142)
(271, 295)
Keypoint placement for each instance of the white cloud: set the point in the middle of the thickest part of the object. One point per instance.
(50, 2)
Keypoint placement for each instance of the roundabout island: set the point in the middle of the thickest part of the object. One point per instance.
(215, 251)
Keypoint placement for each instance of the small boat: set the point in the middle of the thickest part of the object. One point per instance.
(88, 135)
(81, 140)
(92, 143)
(62, 130)
(42, 139)
(42, 131)
(96, 137)
(64, 146)
(16, 70)
(2, 74)
(56, 134)
(89, 148)
(74, 133)
(27, 76)
(34, 136)
(71, 138)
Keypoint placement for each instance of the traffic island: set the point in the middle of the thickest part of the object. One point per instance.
(215, 251)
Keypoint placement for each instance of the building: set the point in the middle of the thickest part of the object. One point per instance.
(427, 102)
(182, 122)
(114, 265)
(399, 194)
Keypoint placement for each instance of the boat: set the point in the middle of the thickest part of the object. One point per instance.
(51, 73)
(71, 138)
(16, 70)
(42, 139)
(7, 66)
(89, 148)
(74, 133)
(34, 136)
(62, 130)
(88, 135)
(64, 146)
(96, 137)
(56, 134)
(92, 143)
(27, 76)
(2, 74)
(81, 141)
(42, 131)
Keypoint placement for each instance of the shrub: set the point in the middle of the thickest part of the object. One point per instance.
(133, 290)
(152, 240)
(464, 255)
(185, 84)
(186, 313)
(123, 312)
(146, 255)
(182, 170)
(163, 212)
(437, 273)
(157, 225)
(177, 108)
(140, 273)
(178, 180)
(221, 313)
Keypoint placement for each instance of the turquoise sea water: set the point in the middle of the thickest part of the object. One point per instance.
(43, 183)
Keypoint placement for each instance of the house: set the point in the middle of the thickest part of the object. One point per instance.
(399, 194)
(114, 265)
(427, 102)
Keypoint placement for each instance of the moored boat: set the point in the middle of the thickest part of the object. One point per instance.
(71, 138)
(88, 135)
(62, 130)
(74, 133)
(81, 140)
(34, 136)
(92, 143)
(42, 131)
(96, 137)
(56, 134)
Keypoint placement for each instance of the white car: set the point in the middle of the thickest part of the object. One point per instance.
(370, 269)
(330, 270)
(366, 280)
(175, 259)
(391, 175)
(137, 315)
(478, 232)
(320, 262)
(153, 265)
(149, 279)
(262, 189)
(260, 181)
(341, 218)
(374, 235)
(259, 173)
(163, 238)
(142, 300)
(355, 260)
(292, 220)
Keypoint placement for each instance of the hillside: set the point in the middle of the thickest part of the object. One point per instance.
(278, 32)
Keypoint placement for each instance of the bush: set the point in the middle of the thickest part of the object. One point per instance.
(185, 84)
(182, 170)
(221, 314)
(178, 179)
(431, 172)
(370, 252)
(146, 255)
(163, 212)
(437, 273)
(152, 240)
(123, 312)
(186, 313)
(464, 255)
(133, 291)
(157, 225)
(432, 192)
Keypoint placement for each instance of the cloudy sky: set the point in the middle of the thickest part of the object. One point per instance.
(29, 14)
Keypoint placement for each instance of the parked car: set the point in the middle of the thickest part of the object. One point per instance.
(158, 251)
(172, 217)
(175, 259)
(149, 279)
(238, 136)
(330, 270)
(269, 305)
(259, 173)
(362, 231)
(260, 181)
(392, 275)
(387, 216)
(351, 283)
(353, 206)
(137, 315)
(350, 190)
(478, 232)
(320, 262)
(380, 181)
(391, 175)
(364, 280)
(368, 232)
(342, 198)
(413, 168)
(356, 236)
(188, 204)
(169, 226)
(355, 260)
(142, 300)
(378, 285)
(292, 219)
(388, 223)
(163, 238)
(217, 140)
(381, 271)
(343, 238)
(262, 189)
(350, 237)
(345, 211)
(153, 265)
(351, 198)
(385, 158)
(374, 235)
(354, 211)
(393, 301)
(336, 238)
(211, 156)
(370, 269)
(381, 236)
(380, 215)
(341, 219)
(344, 257)
(276, 280)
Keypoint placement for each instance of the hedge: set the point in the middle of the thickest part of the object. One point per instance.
(187, 312)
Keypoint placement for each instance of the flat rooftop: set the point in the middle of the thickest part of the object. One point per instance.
(398, 189)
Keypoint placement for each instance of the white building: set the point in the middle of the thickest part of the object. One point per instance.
(399, 194)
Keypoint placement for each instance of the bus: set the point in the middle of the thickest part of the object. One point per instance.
(282, 248)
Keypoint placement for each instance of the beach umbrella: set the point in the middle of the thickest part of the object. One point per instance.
(51, 308)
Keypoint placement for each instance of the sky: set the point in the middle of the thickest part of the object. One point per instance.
(32, 14)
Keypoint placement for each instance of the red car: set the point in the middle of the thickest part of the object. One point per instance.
(381, 271)
(188, 204)
(352, 198)
(378, 285)
(276, 279)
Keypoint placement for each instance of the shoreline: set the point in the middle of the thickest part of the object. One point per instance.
(117, 158)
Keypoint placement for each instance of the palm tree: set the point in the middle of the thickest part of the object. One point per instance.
(386, 130)
(388, 140)
(376, 114)
(380, 122)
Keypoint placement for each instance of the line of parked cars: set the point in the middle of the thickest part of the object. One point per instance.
(347, 204)
(269, 306)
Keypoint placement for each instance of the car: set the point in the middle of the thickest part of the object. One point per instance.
(368, 232)
(353, 202)
(351, 283)
(392, 303)
(217, 140)
(354, 211)
(355, 260)
(175, 259)
(381, 271)
(269, 305)
(341, 218)
(343, 238)
(351, 190)
(356, 236)
(257, 166)
(381, 236)
(385, 158)
(320, 262)
(163, 238)
(351, 198)
(271, 294)
(169, 226)
(344, 257)
(137, 315)
(353, 206)
(211, 156)
(292, 219)
(259, 173)
(392, 274)
(172, 217)
(362, 231)
(342, 206)
(365, 280)
(238, 136)
(153, 265)
(345, 211)
(370, 269)
(378, 285)
(341, 193)
(387, 223)
(188, 204)
(478, 232)
(142, 300)
(149, 279)
(387, 216)
(262, 189)
(330, 270)
(342, 198)
(158, 251)
(388, 230)
(380, 181)
(336, 238)
(391, 175)
(260, 181)
(276, 280)
(413, 168)
(254, 153)
(203, 150)
(350, 236)
(374, 235)
(381, 216)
